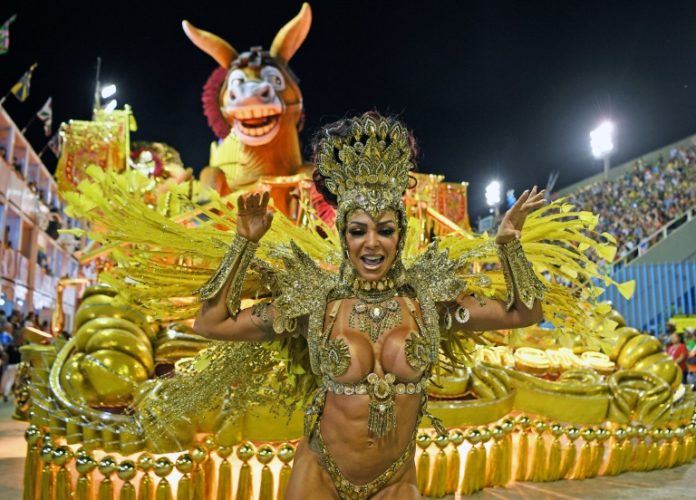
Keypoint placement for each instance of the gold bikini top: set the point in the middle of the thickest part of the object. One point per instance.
(335, 359)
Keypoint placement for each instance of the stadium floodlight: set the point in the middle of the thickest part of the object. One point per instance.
(493, 193)
(110, 106)
(108, 90)
(602, 143)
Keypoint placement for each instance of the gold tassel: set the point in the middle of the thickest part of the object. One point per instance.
(569, 456)
(163, 491)
(506, 472)
(266, 488)
(244, 487)
(553, 467)
(584, 462)
(640, 455)
(209, 472)
(615, 458)
(127, 491)
(146, 490)
(688, 448)
(538, 470)
(31, 472)
(199, 484)
(482, 464)
(84, 490)
(664, 453)
(47, 482)
(423, 471)
(63, 484)
(183, 489)
(674, 453)
(471, 469)
(438, 480)
(653, 456)
(224, 485)
(522, 456)
(597, 458)
(626, 455)
(283, 480)
(453, 464)
(106, 489)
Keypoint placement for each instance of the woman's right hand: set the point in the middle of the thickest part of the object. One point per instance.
(253, 217)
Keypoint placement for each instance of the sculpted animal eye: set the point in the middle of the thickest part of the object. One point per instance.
(274, 77)
(237, 76)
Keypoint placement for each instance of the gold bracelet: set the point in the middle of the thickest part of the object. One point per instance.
(237, 259)
(520, 280)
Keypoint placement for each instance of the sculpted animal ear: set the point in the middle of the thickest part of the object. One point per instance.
(291, 36)
(211, 44)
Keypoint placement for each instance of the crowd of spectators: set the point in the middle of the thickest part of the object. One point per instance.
(643, 200)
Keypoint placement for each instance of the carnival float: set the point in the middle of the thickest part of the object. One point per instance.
(587, 398)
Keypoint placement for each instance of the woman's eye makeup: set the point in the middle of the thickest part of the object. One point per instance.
(387, 231)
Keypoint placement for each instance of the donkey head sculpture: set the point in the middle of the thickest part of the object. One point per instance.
(258, 100)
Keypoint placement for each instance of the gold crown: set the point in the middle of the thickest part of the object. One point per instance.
(370, 168)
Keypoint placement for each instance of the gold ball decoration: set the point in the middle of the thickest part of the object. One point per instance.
(523, 421)
(631, 431)
(668, 433)
(107, 465)
(163, 466)
(441, 441)
(485, 434)
(126, 470)
(456, 437)
(641, 432)
(61, 455)
(473, 436)
(224, 451)
(557, 430)
(184, 463)
(573, 433)
(602, 434)
(265, 453)
(199, 454)
(691, 428)
(145, 462)
(245, 451)
(497, 432)
(620, 433)
(286, 453)
(539, 426)
(209, 443)
(47, 453)
(680, 432)
(33, 434)
(588, 434)
(508, 425)
(657, 433)
(423, 440)
(85, 464)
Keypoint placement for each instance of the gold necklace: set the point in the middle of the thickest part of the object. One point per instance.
(375, 318)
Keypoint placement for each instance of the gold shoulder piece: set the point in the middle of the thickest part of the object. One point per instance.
(434, 274)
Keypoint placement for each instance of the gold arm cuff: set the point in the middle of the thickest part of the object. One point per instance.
(235, 262)
(520, 280)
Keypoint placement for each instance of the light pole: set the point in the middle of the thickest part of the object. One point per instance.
(103, 92)
(493, 196)
(602, 143)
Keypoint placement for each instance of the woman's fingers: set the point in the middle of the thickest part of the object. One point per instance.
(265, 198)
(240, 203)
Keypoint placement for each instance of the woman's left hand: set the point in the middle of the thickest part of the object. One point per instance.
(511, 226)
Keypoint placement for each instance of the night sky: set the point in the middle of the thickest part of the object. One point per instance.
(492, 89)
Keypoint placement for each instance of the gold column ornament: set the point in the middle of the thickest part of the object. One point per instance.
(163, 467)
(520, 280)
(286, 453)
(107, 466)
(234, 266)
(126, 471)
(32, 470)
(146, 490)
(84, 464)
(61, 456)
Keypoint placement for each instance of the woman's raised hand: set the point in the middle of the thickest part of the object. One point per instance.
(253, 217)
(511, 226)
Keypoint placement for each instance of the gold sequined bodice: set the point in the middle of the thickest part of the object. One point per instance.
(349, 356)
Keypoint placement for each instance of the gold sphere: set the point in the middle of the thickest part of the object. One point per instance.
(497, 432)
(209, 443)
(641, 431)
(620, 433)
(539, 426)
(33, 434)
(145, 462)
(657, 433)
(523, 421)
(485, 434)
(286, 452)
(441, 441)
(224, 451)
(85, 464)
(107, 465)
(668, 433)
(199, 454)
(601, 434)
(473, 436)
(573, 433)
(691, 428)
(126, 470)
(245, 451)
(557, 430)
(680, 432)
(265, 453)
(423, 440)
(456, 437)
(163, 466)
(61, 455)
(588, 434)
(47, 453)
(508, 425)
(184, 463)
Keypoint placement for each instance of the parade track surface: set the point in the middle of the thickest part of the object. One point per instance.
(669, 483)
